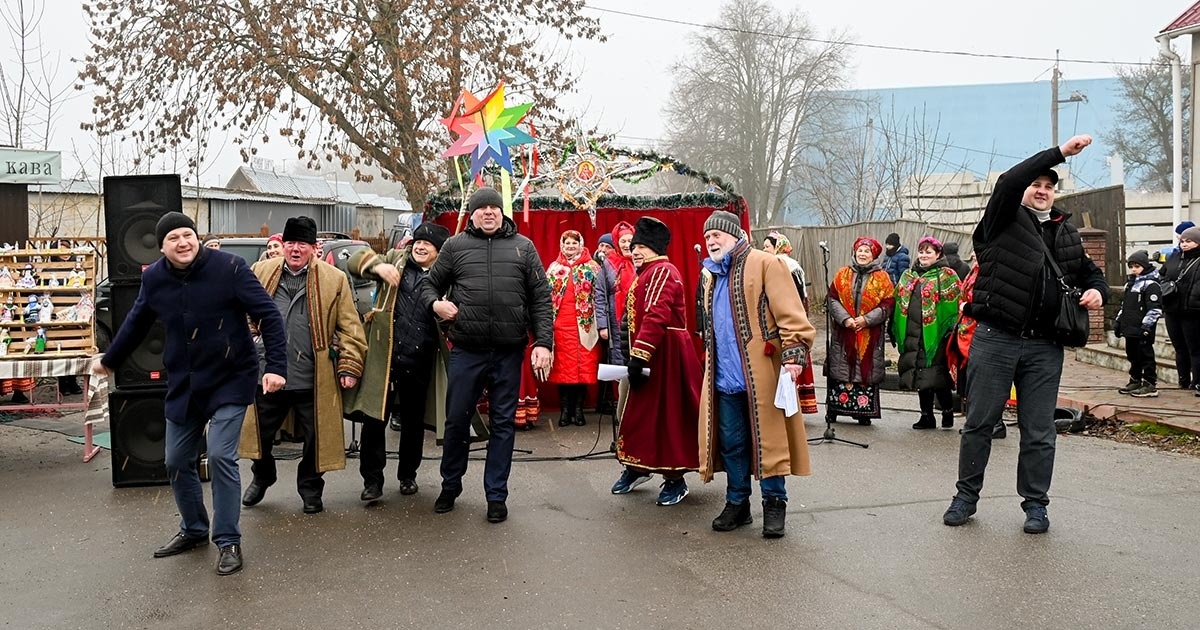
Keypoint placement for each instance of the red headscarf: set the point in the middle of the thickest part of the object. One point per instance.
(876, 248)
(278, 236)
(622, 265)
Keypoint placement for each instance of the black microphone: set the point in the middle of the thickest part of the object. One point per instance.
(599, 257)
(823, 245)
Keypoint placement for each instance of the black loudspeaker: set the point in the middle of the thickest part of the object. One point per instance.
(144, 367)
(132, 207)
(139, 430)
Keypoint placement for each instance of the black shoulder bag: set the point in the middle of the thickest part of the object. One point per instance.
(1071, 324)
(1169, 288)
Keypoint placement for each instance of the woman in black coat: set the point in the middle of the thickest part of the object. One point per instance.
(1181, 307)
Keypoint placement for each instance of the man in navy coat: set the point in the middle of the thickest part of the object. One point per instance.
(202, 296)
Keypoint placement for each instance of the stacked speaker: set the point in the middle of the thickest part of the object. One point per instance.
(132, 207)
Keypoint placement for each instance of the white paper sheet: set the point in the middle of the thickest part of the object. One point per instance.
(609, 372)
(786, 397)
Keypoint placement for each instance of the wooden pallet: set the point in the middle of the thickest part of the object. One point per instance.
(63, 338)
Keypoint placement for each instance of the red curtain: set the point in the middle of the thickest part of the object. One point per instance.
(686, 224)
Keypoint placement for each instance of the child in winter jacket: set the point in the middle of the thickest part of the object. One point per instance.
(1136, 322)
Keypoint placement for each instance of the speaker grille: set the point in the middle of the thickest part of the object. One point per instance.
(139, 432)
(144, 367)
(132, 207)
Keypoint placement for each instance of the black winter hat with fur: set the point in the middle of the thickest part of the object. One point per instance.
(652, 233)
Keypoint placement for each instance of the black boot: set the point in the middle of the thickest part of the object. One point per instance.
(733, 517)
(566, 412)
(926, 421)
(580, 395)
(947, 419)
(774, 515)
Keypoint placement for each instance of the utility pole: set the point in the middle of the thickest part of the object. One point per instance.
(1055, 75)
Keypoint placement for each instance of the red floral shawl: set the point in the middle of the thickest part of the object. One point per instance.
(582, 274)
(876, 290)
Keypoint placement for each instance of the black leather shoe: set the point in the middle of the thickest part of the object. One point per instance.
(372, 492)
(774, 516)
(408, 486)
(564, 420)
(733, 517)
(580, 419)
(179, 544)
(1000, 431)
(444, 503)
(230, 561)
(313, 505)
(394, 423)
(926, 422)
(497, 512)
(254, 493)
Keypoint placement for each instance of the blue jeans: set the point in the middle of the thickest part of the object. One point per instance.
(733, 422)
(999, 360)
(470, 372)
(183, 449)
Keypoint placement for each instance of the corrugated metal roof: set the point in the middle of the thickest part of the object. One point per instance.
(387, 203)
(1187, 19)
(345, 192)
(285, 184)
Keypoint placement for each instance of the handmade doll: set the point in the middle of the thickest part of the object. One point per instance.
(5, 340)
(39, 344)
(78, 277)
(31, 310)
(85, 308)
(27, 280)
(47, 312)
(6, 279)
(54, 281)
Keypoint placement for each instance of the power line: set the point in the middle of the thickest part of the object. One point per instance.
(817, 40)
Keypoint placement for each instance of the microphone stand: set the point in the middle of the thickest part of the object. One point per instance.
(830, 435)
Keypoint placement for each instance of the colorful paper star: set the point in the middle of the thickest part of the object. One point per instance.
(485, 129)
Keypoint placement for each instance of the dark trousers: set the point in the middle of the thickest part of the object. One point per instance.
(945, 400)
(272, 410)
(1140, 352)
(1183, 360)
(407, 401)
(499, 371)
(1000, 360)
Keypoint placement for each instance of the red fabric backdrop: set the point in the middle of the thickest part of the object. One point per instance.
(686, 224)
(545, 226)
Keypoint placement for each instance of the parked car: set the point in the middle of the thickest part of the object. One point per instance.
(338, 249)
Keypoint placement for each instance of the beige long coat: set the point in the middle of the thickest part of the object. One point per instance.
(331, 312)
(767, 313)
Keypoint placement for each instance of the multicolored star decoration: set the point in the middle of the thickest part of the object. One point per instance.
(486, 129)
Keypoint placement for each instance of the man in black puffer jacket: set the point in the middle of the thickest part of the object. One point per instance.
(496, 294)
(1015, 300)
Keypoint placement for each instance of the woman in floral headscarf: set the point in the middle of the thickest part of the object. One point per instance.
(927, 298)
(776, 243)
(860, 299)
(580, 322)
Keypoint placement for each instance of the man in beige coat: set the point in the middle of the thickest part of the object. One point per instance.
(317, 306)
(755, 323)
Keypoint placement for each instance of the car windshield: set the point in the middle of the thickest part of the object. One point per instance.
(249, 251)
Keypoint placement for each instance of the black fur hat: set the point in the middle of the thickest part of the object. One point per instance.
(652, 233)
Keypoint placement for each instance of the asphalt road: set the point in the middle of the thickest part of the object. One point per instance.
(865, 546)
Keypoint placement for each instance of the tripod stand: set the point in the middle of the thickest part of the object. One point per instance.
(830, 435)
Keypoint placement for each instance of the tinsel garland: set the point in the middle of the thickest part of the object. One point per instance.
(438, 204)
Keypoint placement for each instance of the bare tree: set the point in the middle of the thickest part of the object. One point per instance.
(742, 100)
(1142, 132)
(359, 83)
(915, 161)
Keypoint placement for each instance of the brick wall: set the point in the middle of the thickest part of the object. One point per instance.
(1094, 243)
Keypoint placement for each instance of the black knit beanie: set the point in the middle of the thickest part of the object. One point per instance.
(892, 239)
(172, 221)
(484, 197)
